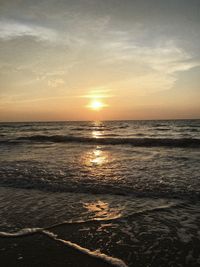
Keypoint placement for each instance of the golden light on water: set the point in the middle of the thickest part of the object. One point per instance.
(100, 208)
(95, 157)
(103, 209)
(96, 134)
(98, 157)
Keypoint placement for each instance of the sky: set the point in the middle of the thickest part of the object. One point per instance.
(99, 59)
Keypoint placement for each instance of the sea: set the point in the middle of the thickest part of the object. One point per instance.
(130, 189)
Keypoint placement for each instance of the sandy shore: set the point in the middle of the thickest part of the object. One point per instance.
(40, 250)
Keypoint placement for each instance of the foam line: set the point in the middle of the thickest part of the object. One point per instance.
(22, 232)
(95, 254)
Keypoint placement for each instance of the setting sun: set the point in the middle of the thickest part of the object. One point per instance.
(96, 105)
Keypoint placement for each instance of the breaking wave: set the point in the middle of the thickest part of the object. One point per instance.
(141, 142)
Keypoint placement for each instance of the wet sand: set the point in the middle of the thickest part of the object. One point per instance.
(40, 250)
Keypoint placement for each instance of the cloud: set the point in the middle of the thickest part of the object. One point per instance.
(56, 83)
(164, 55)
(144, 85)
(98, 92)
(102, 50)
(11, 29)
(154, 66)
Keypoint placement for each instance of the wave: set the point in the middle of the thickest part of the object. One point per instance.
(100, 128)
(96, 189)
(89, 129)
(162, 129)
(190, 125)
(96, 220)
(193, 130)
(141, 142)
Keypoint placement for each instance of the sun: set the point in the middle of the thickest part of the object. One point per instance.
(96, 105)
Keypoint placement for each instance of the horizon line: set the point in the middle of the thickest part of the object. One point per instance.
(43, 121)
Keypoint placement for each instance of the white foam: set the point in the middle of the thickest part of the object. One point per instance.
(96, 254)
(23, 232)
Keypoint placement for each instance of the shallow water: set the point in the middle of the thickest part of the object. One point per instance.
(130, 187)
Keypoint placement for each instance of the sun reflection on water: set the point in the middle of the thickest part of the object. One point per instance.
(96, 134)
(96, 157)
(98, 206)
(102, 210)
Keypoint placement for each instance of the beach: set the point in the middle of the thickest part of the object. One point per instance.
(120, 193)
(39, 250)
(157, 243)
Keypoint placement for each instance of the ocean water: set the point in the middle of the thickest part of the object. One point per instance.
(129, 189)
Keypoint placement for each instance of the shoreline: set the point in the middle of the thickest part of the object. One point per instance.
(40, 249)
